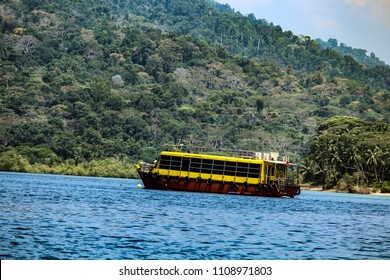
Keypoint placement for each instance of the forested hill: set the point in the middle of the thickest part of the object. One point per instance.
(87, 82)
(359, 54)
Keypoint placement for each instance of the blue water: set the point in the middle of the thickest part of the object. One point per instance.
(65, 217)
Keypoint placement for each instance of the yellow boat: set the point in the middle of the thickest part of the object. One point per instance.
(192, 169)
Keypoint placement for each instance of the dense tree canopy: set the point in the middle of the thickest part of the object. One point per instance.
(85, 81)
(347, 152)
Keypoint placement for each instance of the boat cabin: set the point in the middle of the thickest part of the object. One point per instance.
(221, 168)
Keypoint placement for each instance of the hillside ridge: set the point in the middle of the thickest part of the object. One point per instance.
(86, 81)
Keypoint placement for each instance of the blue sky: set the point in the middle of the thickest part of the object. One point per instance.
(363, 24)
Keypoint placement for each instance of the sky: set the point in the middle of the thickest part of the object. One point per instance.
(362, 24)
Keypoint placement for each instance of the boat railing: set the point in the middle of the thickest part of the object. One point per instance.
(271, 156)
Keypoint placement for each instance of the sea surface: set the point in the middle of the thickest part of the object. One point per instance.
(66, 217)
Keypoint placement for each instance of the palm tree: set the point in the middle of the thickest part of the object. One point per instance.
(375, 160)
(356, 158)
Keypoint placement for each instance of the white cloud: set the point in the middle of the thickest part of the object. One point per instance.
(357, 2)
(373, 13)
(381, 12)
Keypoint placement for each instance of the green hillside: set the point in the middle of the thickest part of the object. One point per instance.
(88, 87)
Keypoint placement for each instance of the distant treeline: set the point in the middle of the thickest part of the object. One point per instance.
(109, 167)
(347, 153)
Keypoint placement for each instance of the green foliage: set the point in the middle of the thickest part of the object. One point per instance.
(12, 161)
(86, 82)
(109, 167)
(348, 151)
(385, 187)
(39, 154)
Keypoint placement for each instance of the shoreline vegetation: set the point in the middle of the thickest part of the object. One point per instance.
(349, 155)
(113, 168)
(109, 167)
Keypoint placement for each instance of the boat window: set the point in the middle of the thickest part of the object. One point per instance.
(185, 164)
(207, 166)
(175, 163)
(165, 162)
(218, 167)
(230, 168)
(170, 162)
(254, 170)
(195, 164)
(210, 166)
(242, 169)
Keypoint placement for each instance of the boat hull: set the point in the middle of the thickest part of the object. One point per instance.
(151, 181)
